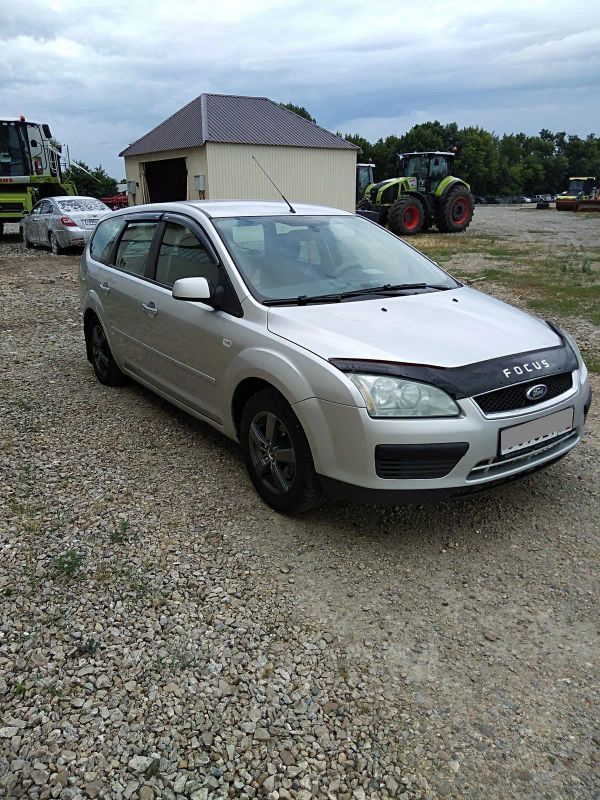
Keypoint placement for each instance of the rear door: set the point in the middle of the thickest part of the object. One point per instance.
(132, 262)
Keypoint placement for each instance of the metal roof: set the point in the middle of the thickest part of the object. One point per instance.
(234, 119)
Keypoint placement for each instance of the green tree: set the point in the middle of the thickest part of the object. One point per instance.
(300, 110)
(90, 182)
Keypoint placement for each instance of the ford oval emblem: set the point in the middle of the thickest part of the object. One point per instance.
(536, 392)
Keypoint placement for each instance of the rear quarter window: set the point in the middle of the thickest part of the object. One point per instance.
(104, 238)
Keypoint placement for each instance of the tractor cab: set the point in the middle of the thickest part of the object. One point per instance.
(364, 178)
(429, 169)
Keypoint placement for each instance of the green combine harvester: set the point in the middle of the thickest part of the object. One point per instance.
(424, 193)
(29, 168)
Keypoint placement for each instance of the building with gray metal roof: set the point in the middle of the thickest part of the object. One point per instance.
(204, 151)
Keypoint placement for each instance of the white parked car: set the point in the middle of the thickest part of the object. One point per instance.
(62, 222)
(344, 361)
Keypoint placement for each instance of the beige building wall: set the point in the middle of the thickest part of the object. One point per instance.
(195, 165)
(304, 174)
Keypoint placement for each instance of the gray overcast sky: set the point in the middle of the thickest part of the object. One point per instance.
(103, 72)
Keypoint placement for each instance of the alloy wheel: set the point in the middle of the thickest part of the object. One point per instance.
(272, 453)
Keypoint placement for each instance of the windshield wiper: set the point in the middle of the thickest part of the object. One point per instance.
(304, 299)
(337, 297)
(390, 287)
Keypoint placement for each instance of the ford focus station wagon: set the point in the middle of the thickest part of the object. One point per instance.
(346, 363)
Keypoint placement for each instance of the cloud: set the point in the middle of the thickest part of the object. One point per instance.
(102, 73)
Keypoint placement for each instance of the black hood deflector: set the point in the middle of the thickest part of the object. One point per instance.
(474, 379)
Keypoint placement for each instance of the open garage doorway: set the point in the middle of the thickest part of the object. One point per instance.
(166, 180)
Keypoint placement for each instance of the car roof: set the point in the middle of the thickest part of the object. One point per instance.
(237, 208)
(72, 197)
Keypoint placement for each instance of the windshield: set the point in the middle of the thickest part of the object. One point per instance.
(12, 162)
(71, 206)
(577, 185)
(281, 257)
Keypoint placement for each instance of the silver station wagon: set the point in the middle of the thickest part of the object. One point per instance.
(345, 362)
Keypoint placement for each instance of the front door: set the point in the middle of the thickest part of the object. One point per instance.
(184, 347)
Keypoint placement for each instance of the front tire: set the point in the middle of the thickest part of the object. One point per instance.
(277, 455)
(26, 241)
(456, 212)
(406, 216)
(104, 365)
(55, 246)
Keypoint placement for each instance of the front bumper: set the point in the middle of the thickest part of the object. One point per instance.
(344, 439)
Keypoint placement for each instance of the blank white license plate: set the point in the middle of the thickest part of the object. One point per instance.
(539, 430)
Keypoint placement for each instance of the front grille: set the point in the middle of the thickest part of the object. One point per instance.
(418, 461)
(10, 207)
(515, 397)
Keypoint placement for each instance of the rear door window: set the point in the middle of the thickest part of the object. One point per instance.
(104, 239)
(133, 252)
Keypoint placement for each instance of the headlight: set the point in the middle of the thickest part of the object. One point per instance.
(386, 396)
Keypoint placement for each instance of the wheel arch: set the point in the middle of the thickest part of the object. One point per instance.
(305, 377)
(89, 318)
(246, 389)
(453, 183)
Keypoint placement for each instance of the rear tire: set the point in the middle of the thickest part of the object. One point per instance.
(406, 216)
(55, 246)
(104, 365)
(456, 212)
(277, 455)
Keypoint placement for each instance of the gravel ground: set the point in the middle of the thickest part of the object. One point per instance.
(165, 635)
(528, 224)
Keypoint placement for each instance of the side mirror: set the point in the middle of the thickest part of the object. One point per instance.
(194, 289)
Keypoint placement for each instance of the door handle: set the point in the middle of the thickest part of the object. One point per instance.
(150, 308)
(105, 287)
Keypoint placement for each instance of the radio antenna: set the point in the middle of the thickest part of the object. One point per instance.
(289, 205)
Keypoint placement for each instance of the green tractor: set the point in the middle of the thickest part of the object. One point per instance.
(423, 194)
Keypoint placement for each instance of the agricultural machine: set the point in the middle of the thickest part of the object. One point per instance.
(29, 168)
(423, 193)
(582, 195)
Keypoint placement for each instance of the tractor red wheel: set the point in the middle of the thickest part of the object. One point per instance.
(406, 216)
(457, 211)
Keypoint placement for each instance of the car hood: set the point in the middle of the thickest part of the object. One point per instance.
(445, 329)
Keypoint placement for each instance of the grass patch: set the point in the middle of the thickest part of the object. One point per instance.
(553, 281)
(564, 281)
(592, 360)
(68, 564)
